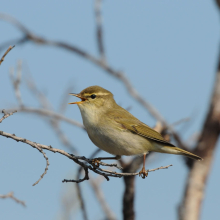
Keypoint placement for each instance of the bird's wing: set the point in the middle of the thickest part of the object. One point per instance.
(133, 125)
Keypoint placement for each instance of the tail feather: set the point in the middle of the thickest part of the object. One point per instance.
(176, 150)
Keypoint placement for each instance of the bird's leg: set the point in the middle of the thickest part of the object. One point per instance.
(96, 161)
(143, 173)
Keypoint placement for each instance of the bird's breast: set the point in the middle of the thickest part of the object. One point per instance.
(111, 139)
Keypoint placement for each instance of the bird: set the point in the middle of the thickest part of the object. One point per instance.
(116, 131)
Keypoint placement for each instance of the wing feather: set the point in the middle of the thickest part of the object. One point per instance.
(134, 125)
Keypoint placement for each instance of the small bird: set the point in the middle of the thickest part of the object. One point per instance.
(116, 131)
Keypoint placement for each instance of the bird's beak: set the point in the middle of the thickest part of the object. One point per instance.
(79, 96)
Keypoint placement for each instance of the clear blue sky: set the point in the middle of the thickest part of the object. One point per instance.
(168, 49)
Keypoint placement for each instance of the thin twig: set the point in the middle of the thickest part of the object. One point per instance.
(99, 29)
(16, 81)
(99, 62)
(48, 113)
(76, 159)
(78, 188)
(33, 145)
(47, 165)
(86, 177)
(100, 197)
(7, 51)
(11, 195)
(64, 99)
(191, 204)
(82, 203)
(44, 102)
(6, 114)
(180, 121)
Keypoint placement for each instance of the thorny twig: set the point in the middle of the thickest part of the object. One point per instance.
(7, 51)
(11, 195)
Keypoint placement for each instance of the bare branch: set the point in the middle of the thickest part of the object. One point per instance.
(117, 74)
(78, 187)
(99, 62)
(76, 159)
(114, 174)
(6, 114)
(131, 167)
(15, 22)
(16, 81)
(180, 121)
(190, 207)
(64, 99)
(82, 203)
(7, 51)
(100, 196)
(11, 195)
(44, 102)
(33, 145)
(48, 113)
(47, 165)
(86, 177)
(42, 99)
(98, 192)
(99, 30)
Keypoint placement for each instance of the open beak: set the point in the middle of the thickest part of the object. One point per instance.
(77, 95)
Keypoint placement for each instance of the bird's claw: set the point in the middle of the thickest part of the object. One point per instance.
(96, 162)
(143, 173)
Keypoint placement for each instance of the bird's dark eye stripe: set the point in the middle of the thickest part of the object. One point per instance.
(93, 96)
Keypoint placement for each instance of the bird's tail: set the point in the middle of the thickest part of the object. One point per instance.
(176, 150)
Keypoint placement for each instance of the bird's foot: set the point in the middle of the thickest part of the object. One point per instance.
(96, 162)
(143, 173)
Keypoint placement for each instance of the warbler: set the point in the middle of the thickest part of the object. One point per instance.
(116, 131)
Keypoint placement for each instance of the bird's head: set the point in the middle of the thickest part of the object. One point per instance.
(94, 97)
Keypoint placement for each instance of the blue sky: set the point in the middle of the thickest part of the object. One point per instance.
(167, 49)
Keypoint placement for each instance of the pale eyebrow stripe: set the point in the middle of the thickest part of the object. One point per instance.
(100, 93)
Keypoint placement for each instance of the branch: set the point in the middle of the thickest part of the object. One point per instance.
(47, 165)
(48, 113)
(99, 62)
(44, 102)
(6, 114)
(79, 191)
(100, 197)
(190, 206)
(7, 51)
(29, 36)
(76, 159)
(11, 195)
(16, 81)
(33, 145)
(99, 30)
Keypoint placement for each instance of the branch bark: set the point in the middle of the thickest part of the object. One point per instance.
(7, 51)
(11, 195)
(199, 171)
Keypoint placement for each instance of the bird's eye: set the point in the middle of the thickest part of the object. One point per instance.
(93, 96)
